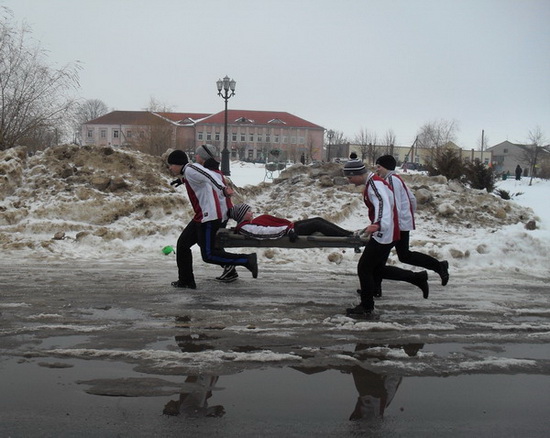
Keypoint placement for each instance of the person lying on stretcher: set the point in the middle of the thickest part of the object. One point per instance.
(267, 227)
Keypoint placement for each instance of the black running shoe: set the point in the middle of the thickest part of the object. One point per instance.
(359, 312)
(252, 265)
(187, 285)
(444, 272)
(421, 280)
(229, 274)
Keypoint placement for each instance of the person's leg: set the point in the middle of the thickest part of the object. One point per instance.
(184, 256)
(217, 256)
(370, 266)
(419, 279)
(229, 273)
(307, 227)
(415, 258)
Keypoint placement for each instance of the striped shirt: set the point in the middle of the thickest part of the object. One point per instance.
(378, 198)
(405, 201)
(205, 189)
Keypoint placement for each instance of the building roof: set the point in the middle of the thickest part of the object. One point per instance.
(125, 118)
(183, 118)
(145, 118)
(258, 118)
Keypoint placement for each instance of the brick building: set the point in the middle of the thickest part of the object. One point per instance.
(252, 135)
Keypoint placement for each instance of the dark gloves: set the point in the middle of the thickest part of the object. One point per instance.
(176, 183)
(292, 236)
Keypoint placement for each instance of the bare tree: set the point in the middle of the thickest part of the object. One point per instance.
(158, 136)
(362, 140)
(88, 110)
(310, 150)
(335, 143)
(156, 106)
(436, 134)
(536, 139)
(389, 141)
(367, 145)
(34, 97)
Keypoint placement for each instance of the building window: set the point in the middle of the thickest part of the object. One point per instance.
(268, 138)
(200, 136)
(301, 140)
(285, 139)
(208, 136)
(259, 139)
(90, 133)
(233, 136)
(243, 138)
(293, 140)
(103, 133)
(129, 134)
(217, 136)
(505, 151)
(115, 133)
(276, 139)
(251, 138)
(250, 154)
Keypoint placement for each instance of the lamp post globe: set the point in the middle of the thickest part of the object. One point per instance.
(226, 89)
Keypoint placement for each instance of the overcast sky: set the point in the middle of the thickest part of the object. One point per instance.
(346, 65)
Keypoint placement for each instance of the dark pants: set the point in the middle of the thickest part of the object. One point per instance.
(307, 227)
(414, 258)
(203, 234)
(372, 269)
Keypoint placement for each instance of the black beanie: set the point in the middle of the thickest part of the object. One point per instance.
(178, 157)
(387, 162)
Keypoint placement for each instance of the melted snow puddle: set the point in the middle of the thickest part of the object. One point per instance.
(278, 401)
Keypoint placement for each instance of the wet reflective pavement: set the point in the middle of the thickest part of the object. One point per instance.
(110, 350)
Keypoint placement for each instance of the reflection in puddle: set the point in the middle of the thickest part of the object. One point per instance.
(375, 391)
(345, 401)
(194, 343)
(194, 402)
(325, 400)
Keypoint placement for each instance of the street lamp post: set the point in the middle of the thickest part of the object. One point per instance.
(330, 135)
(226, 89)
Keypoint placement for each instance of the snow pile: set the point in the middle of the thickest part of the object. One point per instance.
(91, 202)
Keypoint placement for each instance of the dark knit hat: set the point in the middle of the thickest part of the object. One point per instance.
(207, 151)
(354, 167)
(177, 157)
(387, 162)
(238, 211)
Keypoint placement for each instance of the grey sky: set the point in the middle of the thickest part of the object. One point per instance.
(345, 65)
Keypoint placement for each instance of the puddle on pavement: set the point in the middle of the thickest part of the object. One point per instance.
(54, 342)
(290, 401)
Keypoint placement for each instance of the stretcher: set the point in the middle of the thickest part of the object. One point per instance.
(227, 238)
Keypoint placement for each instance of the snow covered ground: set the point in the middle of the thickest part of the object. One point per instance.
(94, 309)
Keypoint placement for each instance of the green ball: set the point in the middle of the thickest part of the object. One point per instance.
(168, 250)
